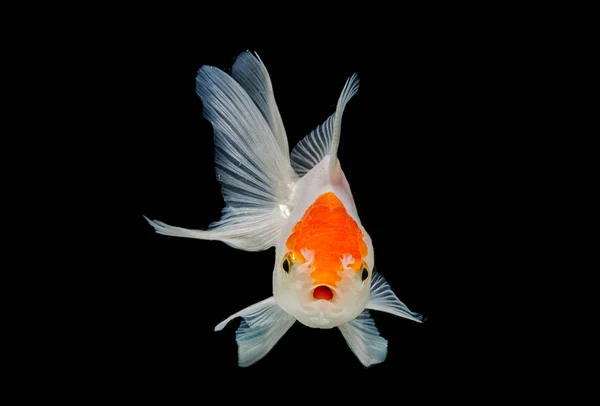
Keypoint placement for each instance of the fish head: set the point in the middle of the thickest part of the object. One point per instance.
(322, 274)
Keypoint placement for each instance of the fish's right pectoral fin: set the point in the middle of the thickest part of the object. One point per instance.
(364, 339)
(263, 325)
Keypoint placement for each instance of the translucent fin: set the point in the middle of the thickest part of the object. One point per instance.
(325, 138)
(256, 176)
(263, 325)
(250, 72)
(255, 231)
(350, 89)
(382, 298)
(313, 148)
(364, 340)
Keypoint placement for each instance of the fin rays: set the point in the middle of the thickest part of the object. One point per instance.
(364, 339)
(324, 140)
(263, 325)
(250, 72)
(251, 162)
(350, 89)
(383, 299)
(313, 148)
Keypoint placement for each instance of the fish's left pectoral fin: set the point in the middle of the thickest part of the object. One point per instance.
(364, 339)
(383, 299)
(263, 325)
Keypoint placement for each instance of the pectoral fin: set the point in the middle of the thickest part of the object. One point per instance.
(263, 325)
(382, 298)
(364, 340)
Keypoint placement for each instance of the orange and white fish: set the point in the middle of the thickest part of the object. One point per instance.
(300, 203)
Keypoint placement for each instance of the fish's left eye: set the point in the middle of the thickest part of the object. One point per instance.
(286, 264)
(365, 272)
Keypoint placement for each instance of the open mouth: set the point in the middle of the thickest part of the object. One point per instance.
(322, 292)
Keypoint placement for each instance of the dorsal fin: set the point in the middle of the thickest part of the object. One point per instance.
(324, 140)
(312, 148)
(350, 89)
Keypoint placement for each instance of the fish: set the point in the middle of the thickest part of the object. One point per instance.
(300, 203)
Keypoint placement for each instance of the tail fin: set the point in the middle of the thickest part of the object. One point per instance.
(251, 164)
(251, 73)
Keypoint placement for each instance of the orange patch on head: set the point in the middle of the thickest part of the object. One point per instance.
(330, 233)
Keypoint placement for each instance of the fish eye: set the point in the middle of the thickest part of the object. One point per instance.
(365, 272)
(286, 264)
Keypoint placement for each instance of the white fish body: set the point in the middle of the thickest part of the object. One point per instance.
(303, 206)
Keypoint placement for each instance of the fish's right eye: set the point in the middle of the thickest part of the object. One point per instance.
(286, 264)
(365, 272)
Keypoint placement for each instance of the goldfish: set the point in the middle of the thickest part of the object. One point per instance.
(301, 204)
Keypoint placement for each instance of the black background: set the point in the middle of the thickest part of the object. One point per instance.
(424, 146)
(456, 147)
